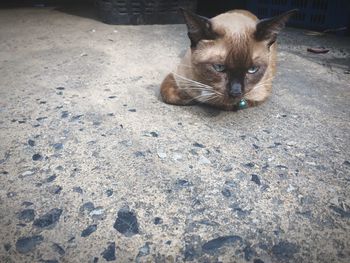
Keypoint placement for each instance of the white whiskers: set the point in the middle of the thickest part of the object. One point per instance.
(262, 84)
(201, 92)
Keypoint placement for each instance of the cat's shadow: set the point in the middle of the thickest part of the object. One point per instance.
(205, 110)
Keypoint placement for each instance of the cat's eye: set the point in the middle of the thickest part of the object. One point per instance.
(253, 69)
(219, 67)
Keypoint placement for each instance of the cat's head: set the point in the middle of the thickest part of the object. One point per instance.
(231, 52)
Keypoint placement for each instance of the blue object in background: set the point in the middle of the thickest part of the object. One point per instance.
(313, 14)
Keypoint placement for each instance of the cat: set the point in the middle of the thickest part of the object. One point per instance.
(231, 62)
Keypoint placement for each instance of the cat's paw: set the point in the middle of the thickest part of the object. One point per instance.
(171, 94)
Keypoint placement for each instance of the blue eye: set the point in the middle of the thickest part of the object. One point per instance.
(219, 67)
(253, 69)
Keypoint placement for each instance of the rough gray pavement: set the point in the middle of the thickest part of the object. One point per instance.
(94, 167)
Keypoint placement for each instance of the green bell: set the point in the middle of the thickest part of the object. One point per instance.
(242, 104)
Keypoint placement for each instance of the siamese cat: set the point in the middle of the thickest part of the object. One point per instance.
(231, 62)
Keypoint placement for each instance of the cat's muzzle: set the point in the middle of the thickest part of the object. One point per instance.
(235, 90)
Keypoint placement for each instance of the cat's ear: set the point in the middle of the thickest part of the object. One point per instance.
(268, 29)
(199, 27)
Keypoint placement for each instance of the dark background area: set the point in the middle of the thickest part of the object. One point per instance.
(319, 15)
(204, 7)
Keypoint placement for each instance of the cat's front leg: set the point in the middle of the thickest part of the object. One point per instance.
(172, 94)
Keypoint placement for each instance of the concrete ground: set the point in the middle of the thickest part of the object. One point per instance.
(94, 167)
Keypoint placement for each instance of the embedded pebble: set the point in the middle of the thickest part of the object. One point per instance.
(199, 145)
(226, 192)
(219, 242)
(127, 143)
(255, 179)
(64, 114)
(190, 252)
(154, 134)
(37, 157)
(77, 189)
(31, 142)
(59, 168)
(51, 178)
(203, 160)
(26, 244)
(49, 219)
(158, 221)
(11, 194)
(77, 117)
(227, 168)
(50, 261)
(26, 215)
(7, 246)
(183, 183)
(285, 250)
(161, 155)
(109, 253)
(151, 134)
(255, 146)
(55, 189)
(248, 253)
(291, 143)
(241, 176)
(89, 230)
(177, 156)
(344, 213)
(194, 152)
(58, 248)
(88, 206)
(58, 146)
(144, 250)
(109, 192)
(282, 167)
(230, 183)
(239, 211)
(27, 173)
(290, 188)
(41, 118)
(126, 222)
(97, 211)
(26, 203)
(139, 154)
(249, 165)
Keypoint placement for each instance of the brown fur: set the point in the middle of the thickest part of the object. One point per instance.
(230, 39)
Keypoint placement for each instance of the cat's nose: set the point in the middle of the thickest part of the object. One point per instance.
(235, 89)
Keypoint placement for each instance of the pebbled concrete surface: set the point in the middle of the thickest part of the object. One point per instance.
(94, 168)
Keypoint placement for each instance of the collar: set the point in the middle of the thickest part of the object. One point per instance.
(242, 104)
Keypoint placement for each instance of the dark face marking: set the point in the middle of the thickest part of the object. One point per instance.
(242, 71)
(235, 73)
